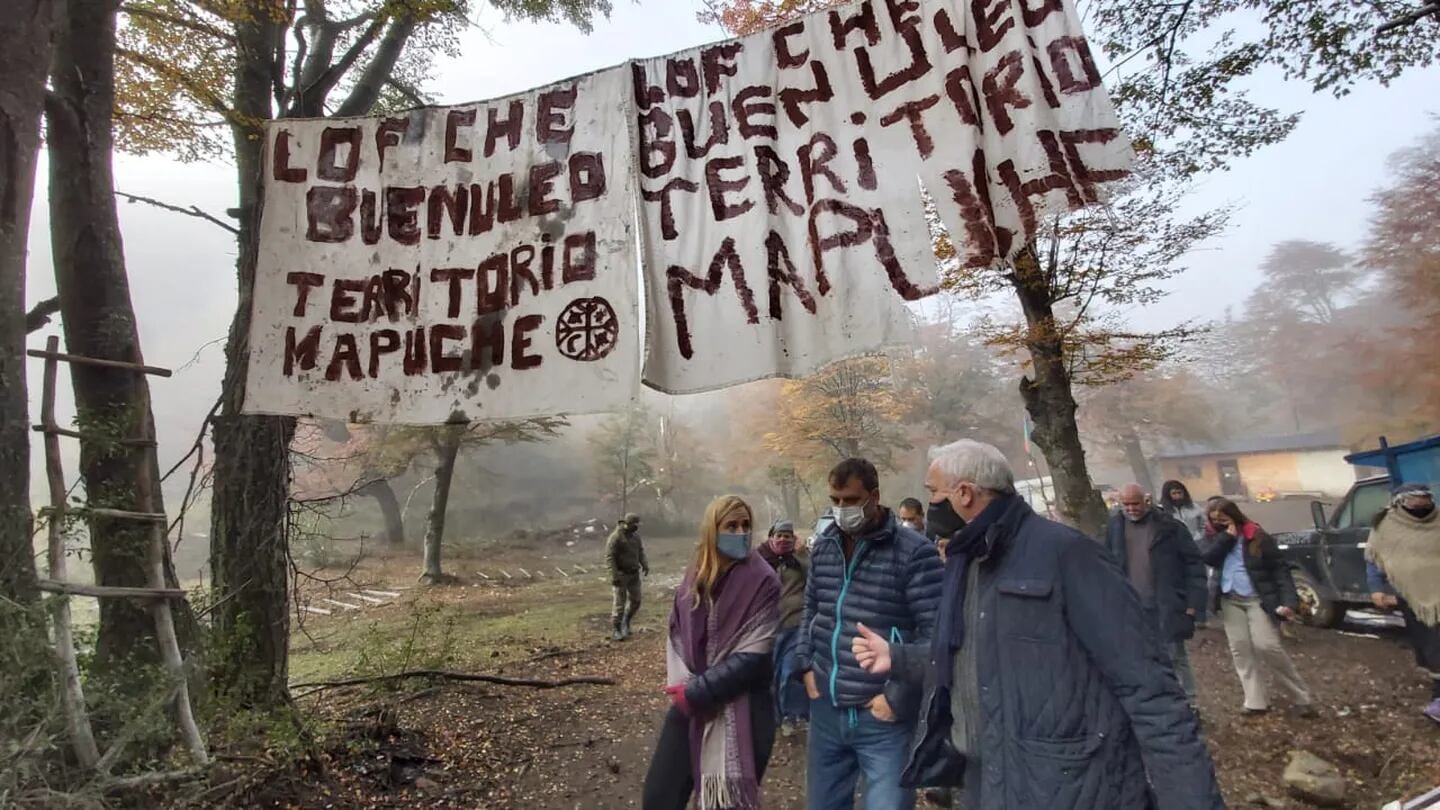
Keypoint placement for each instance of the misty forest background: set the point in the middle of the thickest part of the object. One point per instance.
(1334, 337)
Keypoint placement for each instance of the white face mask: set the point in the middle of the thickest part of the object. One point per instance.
(850, 519)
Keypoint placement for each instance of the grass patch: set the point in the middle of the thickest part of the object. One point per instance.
(439, 628)
(478, 629)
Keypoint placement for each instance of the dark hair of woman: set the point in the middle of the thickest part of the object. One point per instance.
(1230, 510)
(1169, 505)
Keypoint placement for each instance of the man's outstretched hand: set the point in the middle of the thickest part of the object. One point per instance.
(872, 651)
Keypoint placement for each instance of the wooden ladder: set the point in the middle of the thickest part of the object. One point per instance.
(76, 718)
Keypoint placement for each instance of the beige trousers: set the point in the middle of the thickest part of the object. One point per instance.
(1255, 646)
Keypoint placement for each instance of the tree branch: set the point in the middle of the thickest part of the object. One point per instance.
(311, 99)
(192, 211)
(202, 93)
(353, 22)
(38, 317)
(367, 90)
(407, 91)
(1168, 61)
(1407, 20)
(278, 91)
(198, 26)
(302, 47)
(318, 686)
(321, 52)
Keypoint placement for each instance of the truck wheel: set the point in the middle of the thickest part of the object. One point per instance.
(1316, 610)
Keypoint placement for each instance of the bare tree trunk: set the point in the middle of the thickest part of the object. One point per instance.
(1051, 402)
(248, 555)
(99, 321)
(26, 676)
(24, 61)
(625, 475)
(389, 504)
(249, 559)
(790, 495)
(1139, 466)
(447, 447)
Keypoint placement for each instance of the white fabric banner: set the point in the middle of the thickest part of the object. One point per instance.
(456, 263)
(781, 174)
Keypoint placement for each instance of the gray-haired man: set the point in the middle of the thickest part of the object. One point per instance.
(1043, 688)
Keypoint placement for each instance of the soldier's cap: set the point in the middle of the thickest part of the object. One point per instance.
(631, 519)
(780, 526)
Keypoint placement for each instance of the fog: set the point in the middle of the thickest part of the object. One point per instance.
(1313, 186)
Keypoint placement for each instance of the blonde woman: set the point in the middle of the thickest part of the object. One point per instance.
(719, 730)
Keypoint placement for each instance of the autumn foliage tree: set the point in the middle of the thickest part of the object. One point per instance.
(847, 409)
(1404, 245)
(959, 386)
(199, 79)
(626, 453)
(1131, 420)
(444, 443)
(98, 320)
(684, 470)
(1074, 273)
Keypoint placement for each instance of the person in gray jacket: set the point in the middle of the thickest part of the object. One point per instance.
(1043, 689)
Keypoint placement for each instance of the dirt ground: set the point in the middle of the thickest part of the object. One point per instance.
(481, 746)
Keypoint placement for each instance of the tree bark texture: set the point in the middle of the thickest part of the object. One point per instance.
(1050, 401)
(248, 555)
(249, 560)
(389, 504)
(1139, 465)
(25, 29)
(98, 319)
(447, 448)
(790, 497)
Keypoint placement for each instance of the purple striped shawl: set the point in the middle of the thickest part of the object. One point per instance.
(743, 619)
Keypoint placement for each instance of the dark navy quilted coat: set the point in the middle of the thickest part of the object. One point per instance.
(892, 584)
(1077, 706)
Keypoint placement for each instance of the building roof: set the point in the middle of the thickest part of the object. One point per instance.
(1376, 458)
(1322, 440)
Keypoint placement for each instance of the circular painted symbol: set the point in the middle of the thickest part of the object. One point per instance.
(587, 330)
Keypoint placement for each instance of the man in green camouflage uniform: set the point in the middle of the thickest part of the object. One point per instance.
(625, 557)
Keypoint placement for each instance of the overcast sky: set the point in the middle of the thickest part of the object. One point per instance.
(1312, 186)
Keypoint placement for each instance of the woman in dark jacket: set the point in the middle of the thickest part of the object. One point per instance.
(718, 733)
(1252, 590)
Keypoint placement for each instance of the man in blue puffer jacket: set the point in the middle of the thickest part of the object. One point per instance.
(865, 568)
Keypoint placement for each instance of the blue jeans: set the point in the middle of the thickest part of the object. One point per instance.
(845, 743)
(791, 702)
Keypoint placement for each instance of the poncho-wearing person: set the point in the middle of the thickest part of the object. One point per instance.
(1403, 563)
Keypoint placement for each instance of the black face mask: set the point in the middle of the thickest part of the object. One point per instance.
(1419, 512)
(941, 520)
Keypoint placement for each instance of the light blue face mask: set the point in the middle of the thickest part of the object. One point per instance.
(733, 546)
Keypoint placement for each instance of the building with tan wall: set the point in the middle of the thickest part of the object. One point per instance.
(1311, 464)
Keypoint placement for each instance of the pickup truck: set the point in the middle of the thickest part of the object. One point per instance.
(1329, 561)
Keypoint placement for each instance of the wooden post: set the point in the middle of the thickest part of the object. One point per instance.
(165, 621)
(77, 722)
(170, 648)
